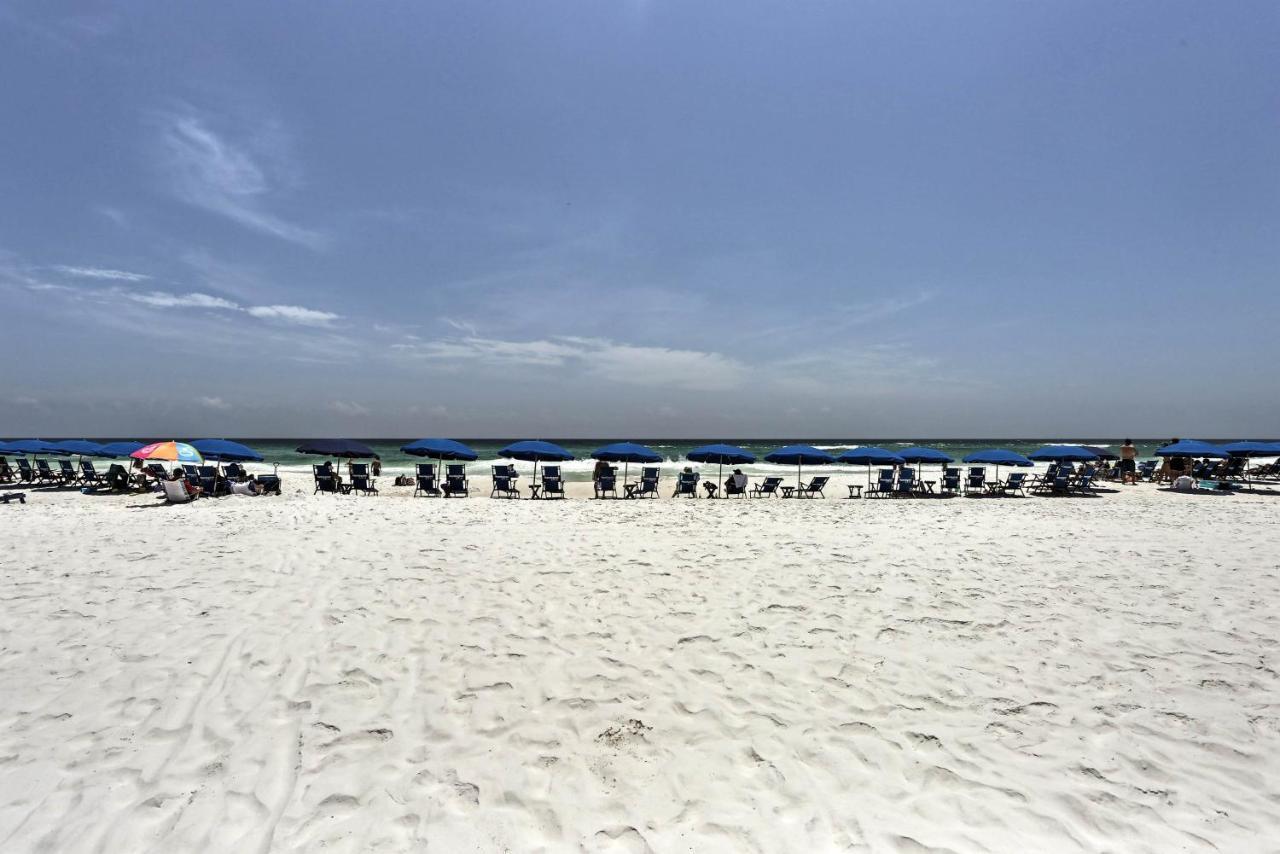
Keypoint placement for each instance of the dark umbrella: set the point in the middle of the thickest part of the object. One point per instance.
(535, 451)
(80, 447)
(721, 454)
(1102, 453)
(226, 450)
(1063, 454)
(1192, 448)
(998, 457)
(626, 453)
(36, 447)
(347, 448)
(799, 456)
(441, 450)
(920, 456)
(120, 449)
(1252, 449)
(869, 456)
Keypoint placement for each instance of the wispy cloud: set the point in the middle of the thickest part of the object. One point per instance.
(608, 360)
(293, 314)
(230, 178)
(348, 407)
(100, 273)
(162, 299)
(213, 403)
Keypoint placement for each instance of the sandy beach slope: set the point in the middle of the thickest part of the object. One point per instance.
(345, 674)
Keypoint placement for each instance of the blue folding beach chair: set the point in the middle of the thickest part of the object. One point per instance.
(768, 486)
(504, 482)
(686, 484)
(455, 481)
(884, 484)
(906, 483)
(425, 480)
(606, 484)
(648, 483)
(977, 479)
(950, 480)
(552, 482)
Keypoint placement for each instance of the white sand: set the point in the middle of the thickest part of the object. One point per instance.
(348, 674)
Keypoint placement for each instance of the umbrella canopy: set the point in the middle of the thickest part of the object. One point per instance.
(1063, 454)
(337, 448)
(174, 452)
(1102, 453)
(1191, 448)
(119, 449)
(871, 456)
(35, 446)
(626, 452)
(998, 457)
(226, 451)
(80, 447)
(722, 454)
(925, 455)
(1252, 449)
(440, 449)
(533, 451)
(796, 455)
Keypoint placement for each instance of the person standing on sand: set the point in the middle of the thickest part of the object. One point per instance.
(1128, 463)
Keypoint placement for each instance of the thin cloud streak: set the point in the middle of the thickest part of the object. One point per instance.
(100, 273)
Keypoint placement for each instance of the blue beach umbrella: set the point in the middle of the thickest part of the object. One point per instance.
(535, 451)
(721, 454)
(925, 455)
(440, 450)
(1063, 454)
(119, 449)
(998, 457)
(36, 447)
(1252, 449)
(626, 453)
(799, 456)
(80, 447)
(225, 450)
(1102, 453)
(870, 455)
(337, 448)
(1192, 448)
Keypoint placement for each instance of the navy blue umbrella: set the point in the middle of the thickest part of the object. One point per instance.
(721, 454)
(80, 447)
(924, 455)
(1252, 449)
(35, 447)
(120, 449)
(799, 456)
(626, 453)
(870, 455)
(225, 450)
(535, 451)
(1063, 454)
(1102, 453)
(337, 448)
(1192, 448)
(440, 449)
(998, 457)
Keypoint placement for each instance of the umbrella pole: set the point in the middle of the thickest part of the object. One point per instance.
(720, 476)
(626, 467)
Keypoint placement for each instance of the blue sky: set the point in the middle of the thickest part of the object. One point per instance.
(640, 219)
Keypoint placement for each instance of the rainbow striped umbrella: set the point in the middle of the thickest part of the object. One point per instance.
(174, 452)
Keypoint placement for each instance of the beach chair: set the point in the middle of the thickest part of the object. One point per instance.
(355, 470)
(269, 483)
(6, 497)
(504, 483)
(26, 474)
(179, 492)
(1015, 482)
(211, 482)
(67, 471)
(606, 483)
(88, 474)
(455, 481)
(649, 478)
(44, 474)
(424, 481)
(950, 481)
(363, 484)
(906, 483)
(1083, 484)
(327, 482)
(737, 485)
(686, 484)
(813, 488)
(6, 472)
(883, 486)
(552, 482)
(236, 472)
(768, 486)
(1146, 469)
(976, 480)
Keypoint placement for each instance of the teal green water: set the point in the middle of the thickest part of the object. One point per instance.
(282, 451)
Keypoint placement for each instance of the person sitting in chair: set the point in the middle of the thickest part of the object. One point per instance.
(736, 483)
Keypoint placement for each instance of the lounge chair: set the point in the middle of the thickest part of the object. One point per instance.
(768, 486)
(1084, 484)
(6, 497)
(686, 484)
(355, 470)
(178, 492)
(455, 481)
(6, 473)
(552, 483)
(1146, 469)
(236, 472)
(813, 488)
(327, 482)
(425, 480)
(906, 483)
(649, 478)
(883, 485)
(504, 483)
(25, 473)
(44, 474)
(89, 475)
(976, 480)
(268, 483)
(606, 483)
(363, 484)
(67, 471)
(737, 485)
(211, 483)
(950, 481)
(1015, 482)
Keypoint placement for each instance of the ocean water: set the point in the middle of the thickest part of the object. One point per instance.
(282, 452)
